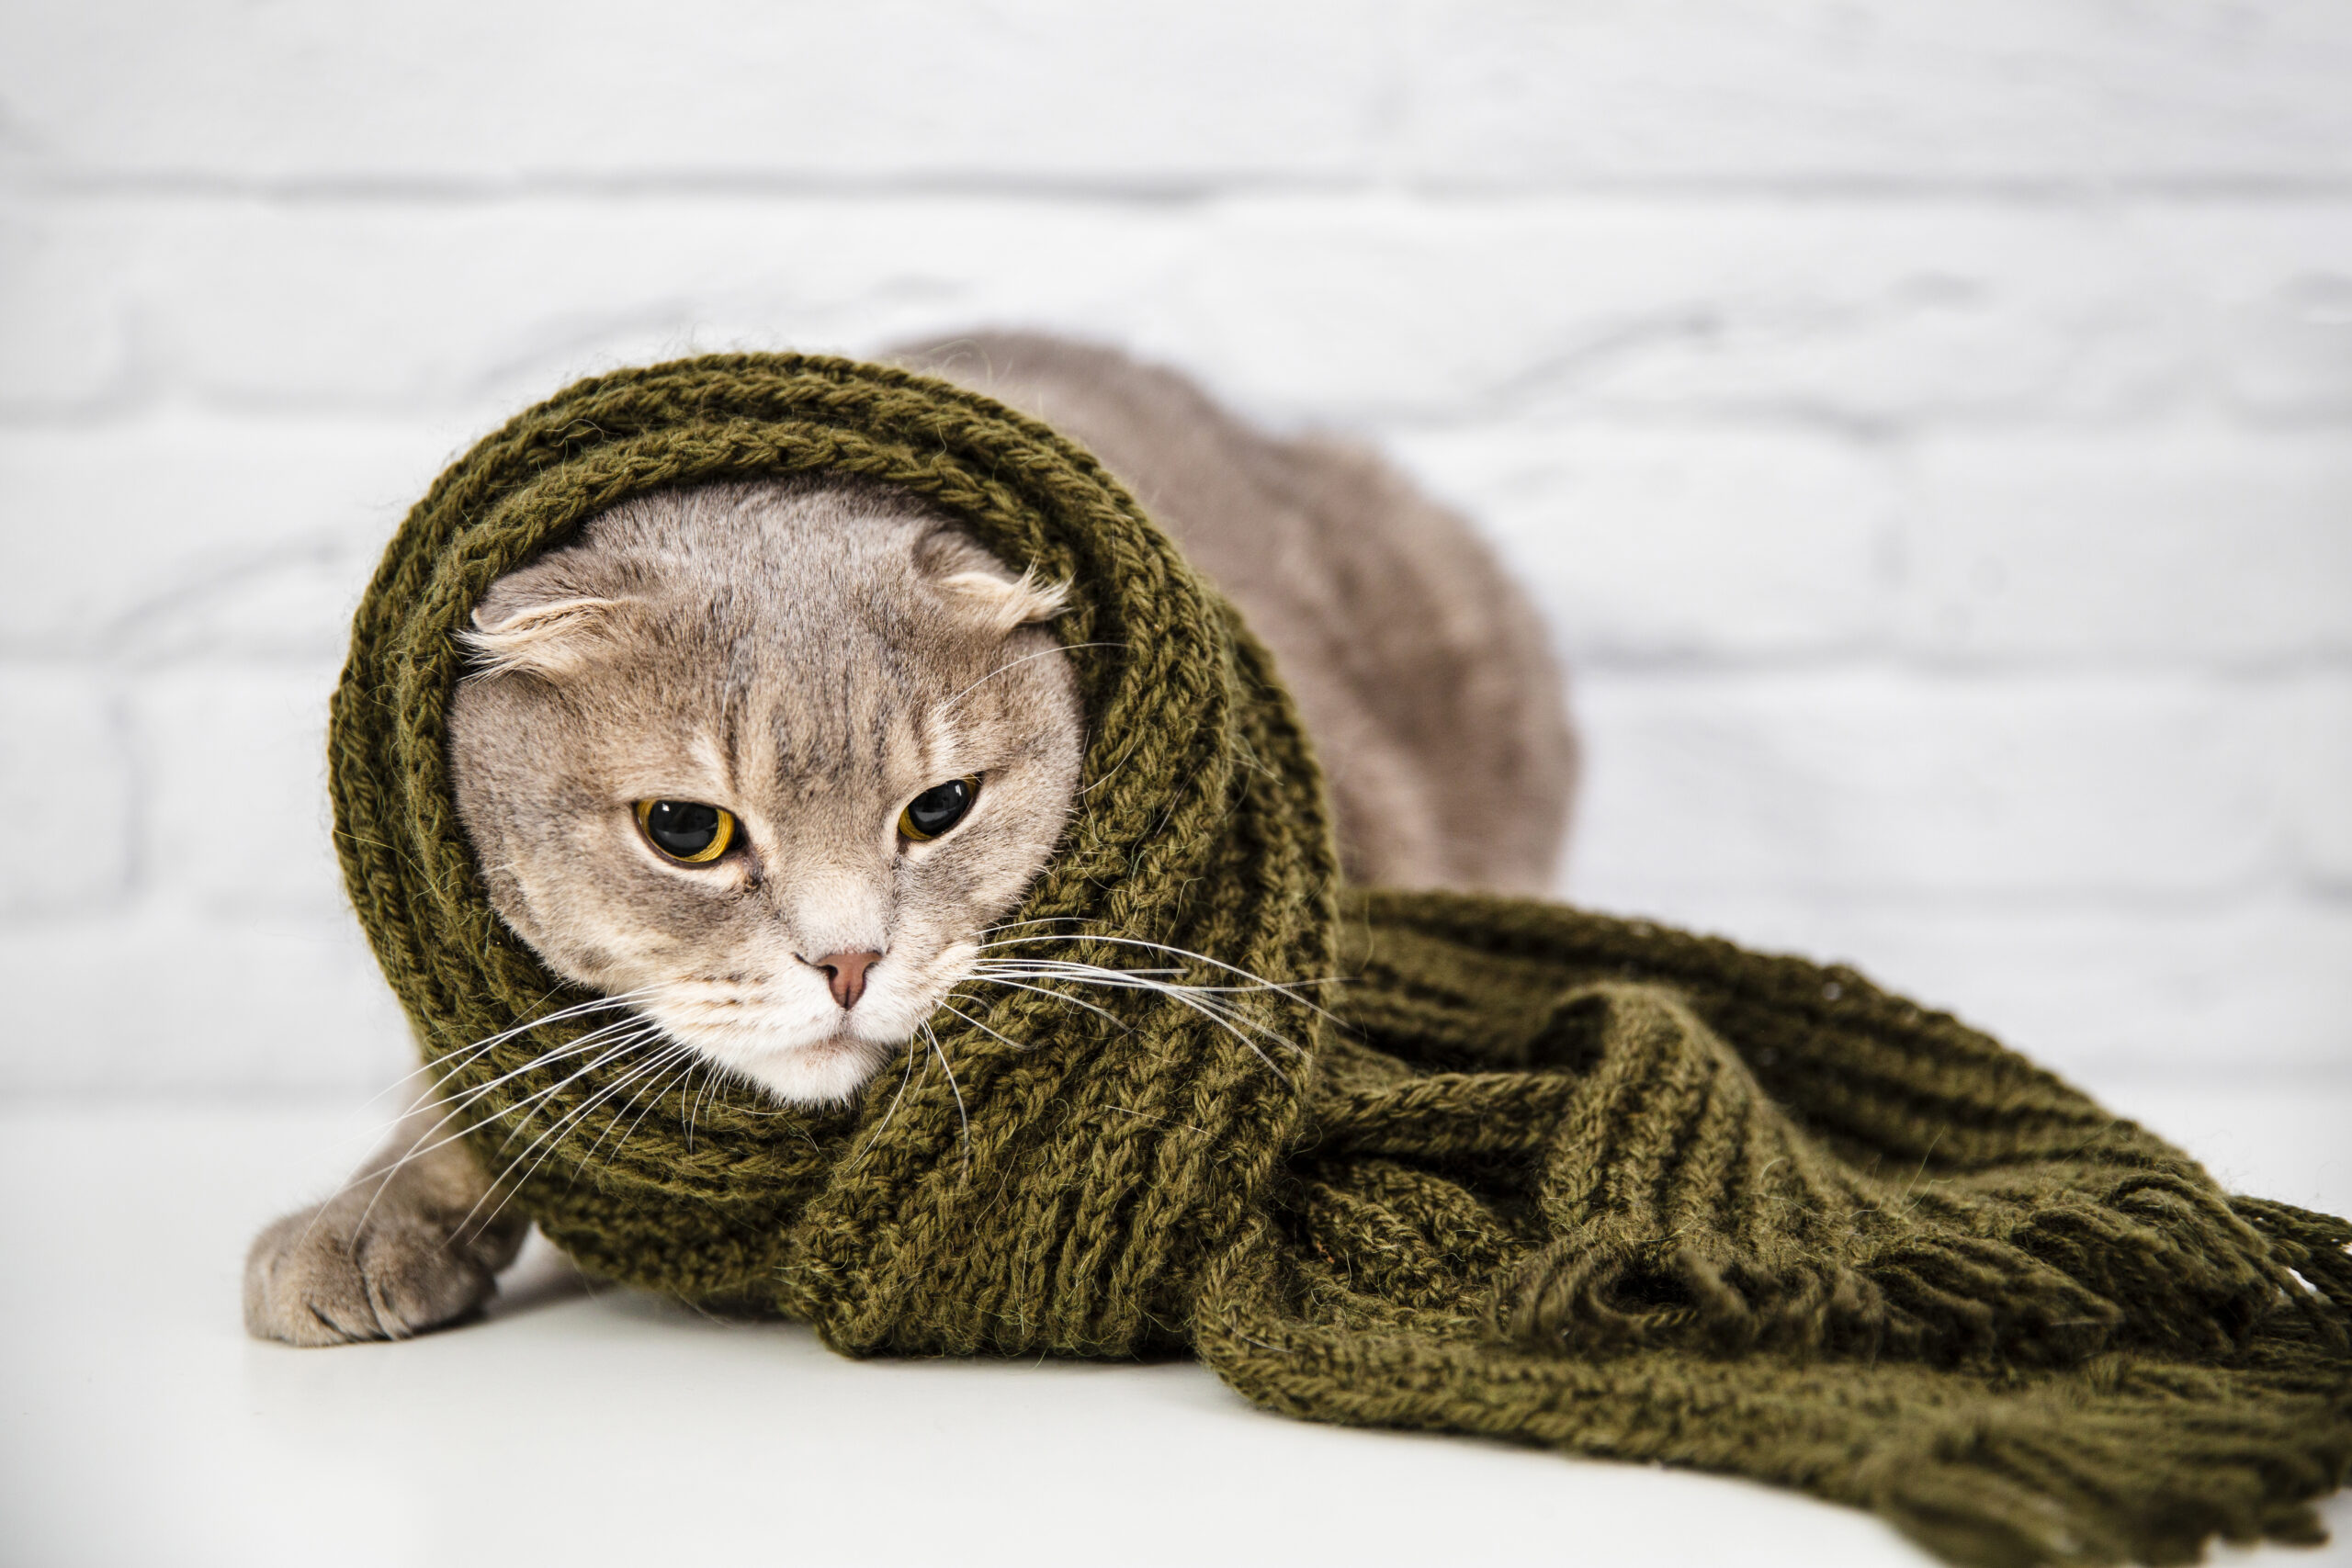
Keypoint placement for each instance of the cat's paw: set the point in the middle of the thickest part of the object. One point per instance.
(336, 1273)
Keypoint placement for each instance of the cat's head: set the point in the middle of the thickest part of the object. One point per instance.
(769, 758)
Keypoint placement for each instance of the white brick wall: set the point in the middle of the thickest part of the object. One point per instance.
(1927, 426)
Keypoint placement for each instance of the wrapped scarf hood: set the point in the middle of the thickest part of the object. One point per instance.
(1535, 1173)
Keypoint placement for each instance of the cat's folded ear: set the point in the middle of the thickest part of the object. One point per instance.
(976, 586)
(541, 624)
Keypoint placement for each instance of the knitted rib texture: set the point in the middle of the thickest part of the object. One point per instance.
(1535, 1173)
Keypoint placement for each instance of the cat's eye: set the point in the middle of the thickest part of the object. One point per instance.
(686, 830)
(938, 808)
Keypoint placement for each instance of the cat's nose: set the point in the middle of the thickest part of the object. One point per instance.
(845, 973)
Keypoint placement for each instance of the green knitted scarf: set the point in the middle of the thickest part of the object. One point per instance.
(1536, 1173)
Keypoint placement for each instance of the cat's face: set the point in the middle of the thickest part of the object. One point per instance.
(733, 742)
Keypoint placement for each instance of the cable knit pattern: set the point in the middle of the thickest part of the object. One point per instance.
(1535, 1173)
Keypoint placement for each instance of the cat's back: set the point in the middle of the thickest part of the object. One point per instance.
(1421, 671)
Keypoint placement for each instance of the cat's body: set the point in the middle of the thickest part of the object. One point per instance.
(1421, 669)
(769, 760)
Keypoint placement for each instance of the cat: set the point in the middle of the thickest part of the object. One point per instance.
(769, 760)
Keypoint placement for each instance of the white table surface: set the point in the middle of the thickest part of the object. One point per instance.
(586, 1426)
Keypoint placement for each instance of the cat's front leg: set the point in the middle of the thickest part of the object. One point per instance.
(410, 1242)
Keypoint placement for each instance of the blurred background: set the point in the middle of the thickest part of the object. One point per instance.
(1928, 428)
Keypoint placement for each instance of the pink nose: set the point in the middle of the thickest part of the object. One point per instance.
(845, 973)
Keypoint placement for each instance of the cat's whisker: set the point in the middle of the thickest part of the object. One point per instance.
(995, 979)
(443, 1067)
(956, 1089)
(1148, 980)
(649, 1077)
(449, 1064)
(432, 1138)
(1137, 979)
(1228, 1026)
(904, 1078)
(1015, 664)
(1026, 959)
(637, 1074)
(671, 1055)
(1041, 967)
(560, 1129)
(615, 1052)
(720, 1081)
(630, 1031)
(694, 1103)
(588, 1041)
(561, 1126)
(687, 1094)
(1256, 981)
(976, 1023)
(1080, 976)
(1286, 990)
(1144, 978)
(1206, 1001)
(679, 1085)
(1113, 771)
(578, 1010)
(702, 1098)
(1170, 949)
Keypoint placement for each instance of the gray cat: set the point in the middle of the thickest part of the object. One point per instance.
(769, 761)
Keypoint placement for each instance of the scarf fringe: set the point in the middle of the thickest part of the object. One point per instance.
(2067, 1486)
(2071, 1282)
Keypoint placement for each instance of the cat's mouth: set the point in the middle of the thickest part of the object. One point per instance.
(794, 1043)
(799, 1065)
(838, 1041)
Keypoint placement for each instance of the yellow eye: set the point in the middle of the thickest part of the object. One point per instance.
(938, 808)
(686, 830)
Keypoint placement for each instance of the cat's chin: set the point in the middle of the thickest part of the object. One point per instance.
(819, 1072)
